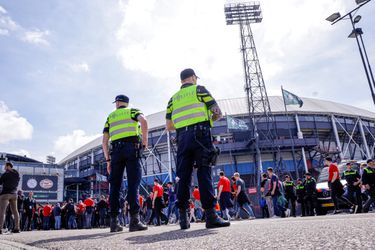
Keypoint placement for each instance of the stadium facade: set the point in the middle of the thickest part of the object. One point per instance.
(303, 137)
(46, 181)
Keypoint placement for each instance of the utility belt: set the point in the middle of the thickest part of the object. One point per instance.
(125, 141)
(201, 126)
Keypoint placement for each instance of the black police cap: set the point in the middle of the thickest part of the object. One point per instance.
(369, 160)
(186, 73)
(121, 98)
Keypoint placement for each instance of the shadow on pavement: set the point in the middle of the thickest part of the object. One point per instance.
(169, 236)
(73, 238)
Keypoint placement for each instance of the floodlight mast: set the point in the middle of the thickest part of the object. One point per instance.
(243, 14)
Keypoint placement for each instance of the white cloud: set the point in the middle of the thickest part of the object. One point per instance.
(13, 126)
(36, 37)
(6, 22)
(80, 67)
(2, 10)
(66, 144)
(4, 32)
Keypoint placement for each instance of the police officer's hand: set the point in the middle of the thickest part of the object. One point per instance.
(144, 143)
(108, 167)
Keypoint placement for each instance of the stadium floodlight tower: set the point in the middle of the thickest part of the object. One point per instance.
(244, 14)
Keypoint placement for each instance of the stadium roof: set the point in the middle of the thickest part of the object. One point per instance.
(238, 106)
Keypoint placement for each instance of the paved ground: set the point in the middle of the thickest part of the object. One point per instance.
(324, 232)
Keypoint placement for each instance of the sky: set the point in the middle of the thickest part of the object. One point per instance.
(63, 62)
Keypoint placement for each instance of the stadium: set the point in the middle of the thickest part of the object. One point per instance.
(45, 180)
(302, 138)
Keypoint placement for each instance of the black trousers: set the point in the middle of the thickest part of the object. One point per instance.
(310, 201)
(301, 201)
(355, 196)
(194, 145)
(291, 200)
(124, 154)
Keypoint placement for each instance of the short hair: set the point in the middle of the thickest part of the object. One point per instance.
(169, 182)
(286, 176)
(9, 164)
(221, 173)
(264, 175)
(329, 159)
(233, 179)
(236, 174)
(369, 161)
(195, 186)
(156, 180)
(270, 169)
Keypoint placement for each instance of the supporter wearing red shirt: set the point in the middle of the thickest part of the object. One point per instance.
(81, 208)
(157, 202)
(337, 189)
(89, 203)
(224, 195)
(196, 194)
(47, 209)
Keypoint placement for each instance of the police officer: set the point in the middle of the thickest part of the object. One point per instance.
(301, 192)
(122, 129)
(368, 180)
(310, 198)
(353, 180)
(190, 112)
(290, 195)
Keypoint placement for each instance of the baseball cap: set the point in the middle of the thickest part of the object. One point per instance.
(121, 98)
(186, 73)
(308, 174)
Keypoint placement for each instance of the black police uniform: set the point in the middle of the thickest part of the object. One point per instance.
(290, 196)
(368, 178)
(352, 176)
(310, 198)
(301, 193)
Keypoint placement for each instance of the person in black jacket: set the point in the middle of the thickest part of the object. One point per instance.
(20, 199)
(8, 195)
(310, 195)
(29, 205)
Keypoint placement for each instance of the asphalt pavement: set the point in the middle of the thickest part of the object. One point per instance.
(342, 231)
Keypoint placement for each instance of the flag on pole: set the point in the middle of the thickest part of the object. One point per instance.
(234, 123)
(291, 99)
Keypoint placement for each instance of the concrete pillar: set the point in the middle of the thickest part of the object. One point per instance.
(337, 138)
(300, 136)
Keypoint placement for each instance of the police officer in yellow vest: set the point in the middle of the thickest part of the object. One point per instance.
(122, 128)
(368, 180)
(190, 112)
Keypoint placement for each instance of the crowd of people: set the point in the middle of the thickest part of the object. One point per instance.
(278, 198)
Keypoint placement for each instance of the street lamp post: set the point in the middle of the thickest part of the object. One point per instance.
(336, 17)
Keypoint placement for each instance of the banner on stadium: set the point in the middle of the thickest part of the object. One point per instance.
(236, 124)
(39, 183)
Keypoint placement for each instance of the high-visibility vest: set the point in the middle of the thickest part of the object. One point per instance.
(187, 109)
(299, 187)
(121, 125)
(288, 183)
(349, 172)
(369, 170)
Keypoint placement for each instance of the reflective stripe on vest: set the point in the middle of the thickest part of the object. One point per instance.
(349, 172)
(287, 183)
(187, 109)
(299, 187)
(369, 171)
(121, 125)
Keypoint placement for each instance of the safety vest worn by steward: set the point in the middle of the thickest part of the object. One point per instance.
(121, 125)
(187, 109)
(349, 172)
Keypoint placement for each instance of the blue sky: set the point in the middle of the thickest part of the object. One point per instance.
(62, 62)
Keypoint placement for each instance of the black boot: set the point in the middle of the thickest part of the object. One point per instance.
(213, 221)
(136, 224)
(184, 219)
(114, 225)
